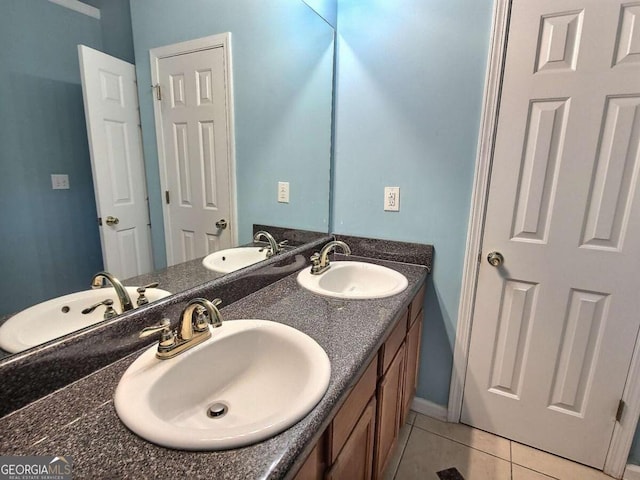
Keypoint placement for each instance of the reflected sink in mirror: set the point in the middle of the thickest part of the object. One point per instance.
(232, 259)
(252, 380)
(62, 315)
(354, 280)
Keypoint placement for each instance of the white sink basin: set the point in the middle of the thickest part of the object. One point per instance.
(62, 315)
(231, 259)
(267, 374)
(354, 280)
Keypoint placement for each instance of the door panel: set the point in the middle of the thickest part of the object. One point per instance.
(117, 164)
(197, 162)
(555, 325)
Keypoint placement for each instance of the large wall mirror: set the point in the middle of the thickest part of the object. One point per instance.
(282, 55)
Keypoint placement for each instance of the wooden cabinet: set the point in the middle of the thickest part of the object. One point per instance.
(314, 466)
(355, 461)
(412, 356)
(360, 439)
(345, 420)
(389, 411)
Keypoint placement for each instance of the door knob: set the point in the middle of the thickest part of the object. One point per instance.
(221, 224)
(495, 259)
(112, 220)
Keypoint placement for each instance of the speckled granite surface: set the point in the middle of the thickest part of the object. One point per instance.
(27, 376)
(80, 419)
(293, 236)
(406, 252)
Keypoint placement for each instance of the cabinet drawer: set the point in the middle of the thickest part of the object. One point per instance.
(393, 342)
(350, 412)
(415, 309)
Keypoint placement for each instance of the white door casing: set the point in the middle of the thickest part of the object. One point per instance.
(555, 327)
(194, 120)
(117, 162)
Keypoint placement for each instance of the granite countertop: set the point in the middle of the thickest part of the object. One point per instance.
(80, 420)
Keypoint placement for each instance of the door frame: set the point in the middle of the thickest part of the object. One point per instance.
(624, 430)
(222, 40)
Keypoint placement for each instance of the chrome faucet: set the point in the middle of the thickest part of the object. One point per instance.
(274, 247)
(321, 260)
(123, 296)
(192, 330)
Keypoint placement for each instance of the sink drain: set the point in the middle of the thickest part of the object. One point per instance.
(217, 410)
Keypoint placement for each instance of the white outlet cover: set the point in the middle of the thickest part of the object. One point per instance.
(392, 199)
(59, 181)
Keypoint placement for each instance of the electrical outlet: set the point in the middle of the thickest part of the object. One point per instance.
(391, 199)
(283, 192)
(59, 181)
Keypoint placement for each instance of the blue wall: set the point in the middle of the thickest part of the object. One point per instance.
(50, 243)
(410, 84)
(634, 454)
(282, 73)
(327, 9)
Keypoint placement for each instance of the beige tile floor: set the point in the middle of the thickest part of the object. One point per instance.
(427, 446)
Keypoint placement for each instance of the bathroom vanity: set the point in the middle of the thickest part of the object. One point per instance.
(373, 346)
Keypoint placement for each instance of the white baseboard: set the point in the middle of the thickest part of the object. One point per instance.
(632, 472)
(430, 409)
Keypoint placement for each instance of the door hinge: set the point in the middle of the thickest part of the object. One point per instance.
(148, 213)
(166, 197)
(479, 258)
(99, 221)
(158, 91)
(620, 412)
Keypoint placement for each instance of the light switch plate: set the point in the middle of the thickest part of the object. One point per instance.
(59, 181)
(283, 192)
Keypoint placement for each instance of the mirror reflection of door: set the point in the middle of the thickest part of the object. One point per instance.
(117, 163)
(192, 109)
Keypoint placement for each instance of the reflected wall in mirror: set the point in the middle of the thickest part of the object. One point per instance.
(283, 74)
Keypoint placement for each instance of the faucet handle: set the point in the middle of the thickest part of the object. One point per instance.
(108, 313)
(282, 244)
(167, 337)
(142, 298)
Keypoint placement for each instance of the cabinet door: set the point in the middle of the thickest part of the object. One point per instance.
(355, 461)
(389, 411)
(412, 360)
(314, 465)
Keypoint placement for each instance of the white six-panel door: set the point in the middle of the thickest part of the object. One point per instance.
(117, 163)
(555, 325)
(195, 141)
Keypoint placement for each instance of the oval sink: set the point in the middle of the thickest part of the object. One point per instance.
(60, 316)
(231, 259)
(251, 380)
(354, 280)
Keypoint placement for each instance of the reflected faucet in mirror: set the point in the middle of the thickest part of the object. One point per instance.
(98, 281)
(274, 247)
